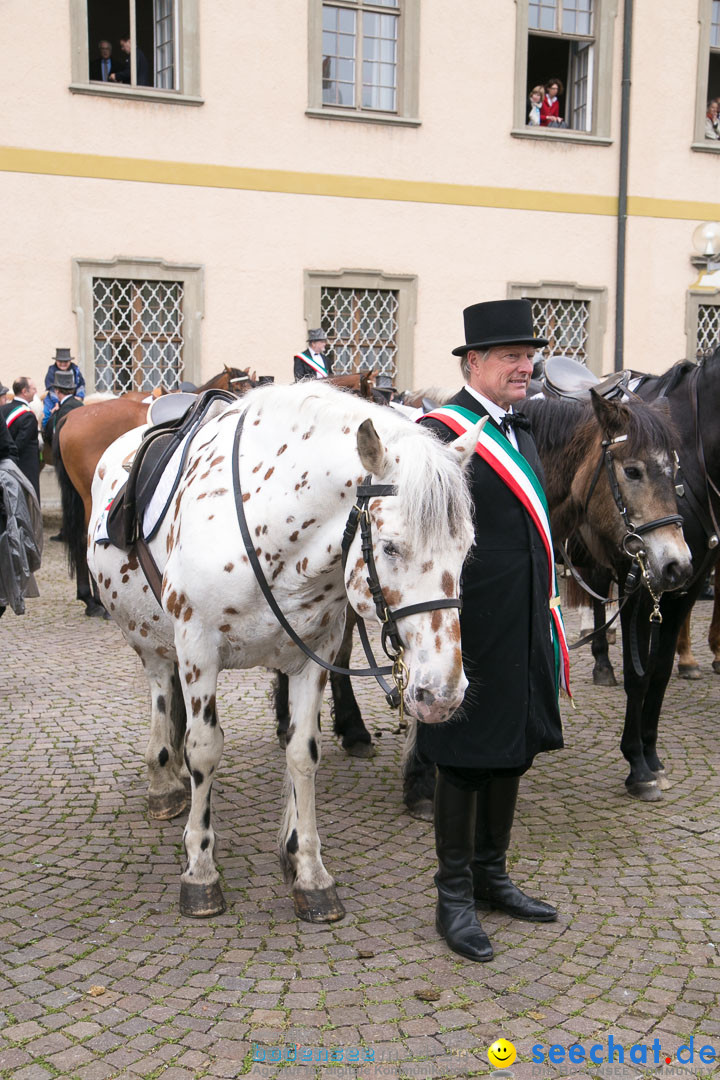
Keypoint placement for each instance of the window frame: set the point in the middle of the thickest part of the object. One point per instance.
(187, 52)
(596, 296)
(408, 67)
(700, 143)
(405, 285)
(604, 23)
(139, 269)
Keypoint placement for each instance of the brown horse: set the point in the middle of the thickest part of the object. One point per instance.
(361, 383)
(688, 667)
(82, 438)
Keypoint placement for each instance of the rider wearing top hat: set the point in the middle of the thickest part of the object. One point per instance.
(513, 649)
(66, 399)
(65, 362)
(311, 363)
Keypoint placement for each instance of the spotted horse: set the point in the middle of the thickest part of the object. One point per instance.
(294, 469)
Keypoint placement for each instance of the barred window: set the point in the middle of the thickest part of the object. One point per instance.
(708, 330)
(362, 329)
(565, 324)
(137, 334)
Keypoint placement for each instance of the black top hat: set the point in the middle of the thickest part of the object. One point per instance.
(65, 381)
(316, 335)
(498, 322)
(63, 355)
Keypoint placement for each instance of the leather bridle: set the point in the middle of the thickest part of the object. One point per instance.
(391, 639)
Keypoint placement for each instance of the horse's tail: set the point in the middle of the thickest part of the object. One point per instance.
(73, 515)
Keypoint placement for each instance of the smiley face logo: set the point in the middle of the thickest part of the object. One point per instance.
(501, 1054)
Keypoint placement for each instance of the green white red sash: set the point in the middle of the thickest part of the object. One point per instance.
(311, 361)
(20, 408)
(512, 468)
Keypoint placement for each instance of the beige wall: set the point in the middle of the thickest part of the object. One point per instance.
(254, 245)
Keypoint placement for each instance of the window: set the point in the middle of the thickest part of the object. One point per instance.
(571, 41)
(138, 323)
(369, 318)
(131, 48)
(703, 323)
(708, 79)
(570, 316)
(363, 59)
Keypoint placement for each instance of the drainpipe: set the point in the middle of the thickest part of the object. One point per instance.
(622, 188)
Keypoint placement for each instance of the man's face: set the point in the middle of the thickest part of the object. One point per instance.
(504, 376)
(319, 346)
(105, 50)
(126, 46)
(30, 391)
(63, 365)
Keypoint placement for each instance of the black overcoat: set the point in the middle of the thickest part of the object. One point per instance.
(24, 433)
(510, 711)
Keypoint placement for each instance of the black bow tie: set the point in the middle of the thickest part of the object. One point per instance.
(516, 420)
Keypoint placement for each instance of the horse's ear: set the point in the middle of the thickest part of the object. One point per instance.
(465, 445)
(371, 450)
(612, 415)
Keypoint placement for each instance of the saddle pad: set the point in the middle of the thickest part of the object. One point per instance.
(155, 509)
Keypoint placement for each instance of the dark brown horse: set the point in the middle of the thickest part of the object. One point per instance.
(82, 438)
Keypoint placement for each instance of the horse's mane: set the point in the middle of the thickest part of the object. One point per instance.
(670, 379)
(556, 423)
(434, 495)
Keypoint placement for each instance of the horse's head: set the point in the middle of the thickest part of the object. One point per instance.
(419, 533)
(634, 469)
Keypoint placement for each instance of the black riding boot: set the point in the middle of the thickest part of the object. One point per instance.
(492, 888)
(455, 918)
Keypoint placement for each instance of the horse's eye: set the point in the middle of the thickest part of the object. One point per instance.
(632, 472)
(390, 549)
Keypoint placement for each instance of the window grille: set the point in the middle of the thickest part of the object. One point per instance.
(360, 57)
(165, 44)
(137, 333)
(362, 329)
(565, 323)
(708, 330)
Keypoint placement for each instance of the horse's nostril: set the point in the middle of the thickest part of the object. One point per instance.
(426, 697)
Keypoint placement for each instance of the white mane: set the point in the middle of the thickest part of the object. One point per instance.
(434, 496)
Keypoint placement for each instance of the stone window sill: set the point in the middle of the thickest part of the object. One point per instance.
(135, 93)
(364, 117)
(564, 135)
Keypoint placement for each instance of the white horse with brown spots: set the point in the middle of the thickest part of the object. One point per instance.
(302, 452)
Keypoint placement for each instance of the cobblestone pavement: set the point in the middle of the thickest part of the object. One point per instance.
(102, 978)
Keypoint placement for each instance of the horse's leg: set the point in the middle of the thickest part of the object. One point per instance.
(200, 891)
(348, 721)
(314, 892)
(688, 667)
(654, 696)
(167, 795)
(714, 633)
(641, 782)
(281, 701)
(603, 674)
(418, 778)
(74, 530)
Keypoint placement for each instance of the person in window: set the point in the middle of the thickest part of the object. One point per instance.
(311, 363)
(536, 96)
(711, 120)
(123, 73)
(104, 66)
(550, 107)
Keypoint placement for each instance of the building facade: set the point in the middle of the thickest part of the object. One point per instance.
(246, 172)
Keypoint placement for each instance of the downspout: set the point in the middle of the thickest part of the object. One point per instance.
(622, 188)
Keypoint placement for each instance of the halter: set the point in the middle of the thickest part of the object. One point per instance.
(391, 640)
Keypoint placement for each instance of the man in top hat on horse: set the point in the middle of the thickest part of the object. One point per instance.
(312, 363)
(65, 399)
(65, 362)
(513, 644)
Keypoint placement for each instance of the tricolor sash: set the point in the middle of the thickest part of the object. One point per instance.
(316, 365)
(513, 469)
(21, 407)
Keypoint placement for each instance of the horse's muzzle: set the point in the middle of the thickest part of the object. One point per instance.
(429, 706)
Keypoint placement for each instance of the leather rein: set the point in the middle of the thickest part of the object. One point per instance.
(391, 639)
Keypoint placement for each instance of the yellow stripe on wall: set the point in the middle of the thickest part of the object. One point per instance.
(143, 170)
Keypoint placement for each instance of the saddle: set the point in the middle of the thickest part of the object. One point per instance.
(563, 377)
(180, 419)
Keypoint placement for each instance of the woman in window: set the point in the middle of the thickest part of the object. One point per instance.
(711, 120)
(550, 107)
(536, 96)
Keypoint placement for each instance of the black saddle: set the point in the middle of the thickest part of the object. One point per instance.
(159, 443)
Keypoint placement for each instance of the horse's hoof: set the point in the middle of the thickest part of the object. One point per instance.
(644, 790)
(716, 666)
(167, 806)
(689, 671)
(318, 905)
(360, 749)
(422, 810)
(96, 611)
(201, 901)
(604, 677)
(282, 740)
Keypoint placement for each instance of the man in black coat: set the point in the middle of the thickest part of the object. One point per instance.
(23, 427)
(64, 387)
(103, 66)
(512, 652)
(312, 363)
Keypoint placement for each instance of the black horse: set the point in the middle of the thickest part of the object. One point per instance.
(568, 436)
(693, 394)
